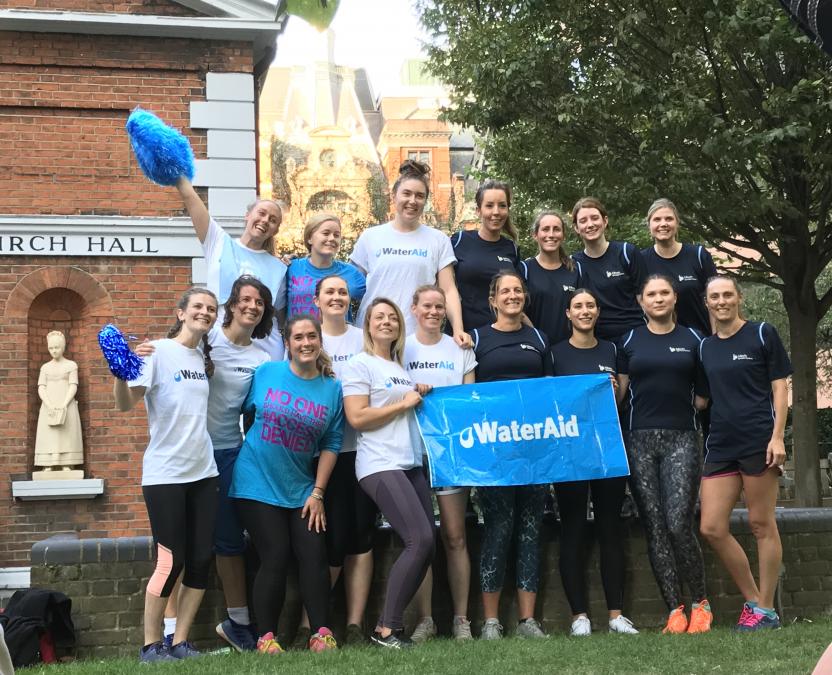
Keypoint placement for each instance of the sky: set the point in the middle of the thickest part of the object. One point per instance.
(378, 35)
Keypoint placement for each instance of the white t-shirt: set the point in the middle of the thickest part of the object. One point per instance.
(234, 367)
(341, 348)
(227, 260)
(397, 444)
(441, 365)
(176, 399)
(397, 263)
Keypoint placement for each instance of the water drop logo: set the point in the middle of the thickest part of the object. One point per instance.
(177, 376)
(466, 438)
(388, 383)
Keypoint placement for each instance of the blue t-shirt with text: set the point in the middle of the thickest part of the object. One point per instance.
(303, 276)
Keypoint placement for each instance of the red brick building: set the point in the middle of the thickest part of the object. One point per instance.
(85, 239)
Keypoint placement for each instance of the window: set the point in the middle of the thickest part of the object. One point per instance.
(327, 159)
(419, 155)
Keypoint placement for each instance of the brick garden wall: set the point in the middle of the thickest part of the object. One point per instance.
(106, 581)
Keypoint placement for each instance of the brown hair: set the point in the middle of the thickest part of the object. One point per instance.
(495, 282)
(177, 326)
(587, 203)
(565, 260)
(411, 169)
(397, 348)
(263, 328)
(320, 283)
(323, 363)
(660, 277)
(314, 223)
(491, 184)
(424, 288)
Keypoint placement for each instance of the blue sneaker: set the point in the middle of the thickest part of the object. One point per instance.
(168, 640)
(242, 638)
(757, 620)
(184, 650)
(155, 652)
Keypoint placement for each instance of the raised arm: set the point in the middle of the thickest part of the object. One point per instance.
(195, 207)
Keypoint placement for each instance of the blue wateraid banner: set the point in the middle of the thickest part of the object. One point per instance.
(520, 432)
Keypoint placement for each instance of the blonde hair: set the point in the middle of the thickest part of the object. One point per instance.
(268, 244)
(397, 348)
(565, 260)
(424, 288)
(314, 223)
(663, 203)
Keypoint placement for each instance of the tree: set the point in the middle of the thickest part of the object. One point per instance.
(723, 107)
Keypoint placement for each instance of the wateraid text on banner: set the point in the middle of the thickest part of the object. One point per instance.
(523, 432)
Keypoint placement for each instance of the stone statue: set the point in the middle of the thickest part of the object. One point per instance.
(58, 445)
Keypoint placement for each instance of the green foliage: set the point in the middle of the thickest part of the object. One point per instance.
(319, 13)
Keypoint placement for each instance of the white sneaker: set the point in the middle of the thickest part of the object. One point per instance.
(424, 631)
(529, 628)
(461, 628)
(621, 624)
(491, 630)
(581, 627)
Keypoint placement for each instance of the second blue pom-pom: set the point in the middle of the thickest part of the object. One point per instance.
(163, 153)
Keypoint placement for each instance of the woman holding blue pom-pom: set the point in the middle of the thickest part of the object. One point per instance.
(179, 474)
(227, 259)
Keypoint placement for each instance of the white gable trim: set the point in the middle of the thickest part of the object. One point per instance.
(241, 9)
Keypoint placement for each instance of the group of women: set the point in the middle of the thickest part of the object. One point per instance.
(332, 437)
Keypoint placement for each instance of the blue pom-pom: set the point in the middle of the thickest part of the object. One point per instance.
(124, 364)
(163, 153)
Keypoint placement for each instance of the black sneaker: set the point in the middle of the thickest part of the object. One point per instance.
(241, 637)
(354, 636)
(185, 650)
(155, 652)
(396, 640)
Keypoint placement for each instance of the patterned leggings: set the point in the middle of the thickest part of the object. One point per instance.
(666, 467)
(499, 506)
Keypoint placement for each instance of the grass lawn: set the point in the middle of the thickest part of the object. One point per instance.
(794, 649)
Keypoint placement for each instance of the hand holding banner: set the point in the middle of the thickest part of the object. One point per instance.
(523, 432)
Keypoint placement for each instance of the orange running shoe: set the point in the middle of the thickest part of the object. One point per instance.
(268, 645)
(700, 617)
(677, 622)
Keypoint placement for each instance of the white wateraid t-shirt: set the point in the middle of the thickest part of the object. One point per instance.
(176, 399)
(397, 444)
(397, 263)
(341, 348)
(441, 365)
(234, 368)
(227, 260)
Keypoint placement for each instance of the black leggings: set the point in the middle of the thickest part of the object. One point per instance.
(607, 497)
(182, 521)
(666, 467)
(350, 513)
(507, 513)
(276, 533)
(404, 499)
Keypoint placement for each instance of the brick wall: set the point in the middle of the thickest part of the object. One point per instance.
(64, 100)
(106, 581)
(49, 294)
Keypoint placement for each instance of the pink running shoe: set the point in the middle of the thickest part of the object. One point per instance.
(322, 641)
(745, 616)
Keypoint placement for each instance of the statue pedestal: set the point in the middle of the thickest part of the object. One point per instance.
(71, 474)
(87, 488)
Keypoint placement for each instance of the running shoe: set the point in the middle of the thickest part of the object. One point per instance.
(301, 640)
(758, 620)
(241, 637)
(322, 641)
(184, 650)
(677, 622)
(354, 636)
(581, 627)
(156, 652)
(491, 630)
(461, 629)
(747, 611)
(168, 640)
(396, 640)
(266, 644)
(701, 618)
(621, 624)
(424, 631)
(529, 629)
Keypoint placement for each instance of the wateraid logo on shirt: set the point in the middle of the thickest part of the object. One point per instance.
(492, 432)
(390, 381)
(430, 365)
(606, 369)
(389, 250)
(680, 349)
(614, 273)
(568, 289)
(742, 357)
(503, 259)
(687, 277)
(183, 374)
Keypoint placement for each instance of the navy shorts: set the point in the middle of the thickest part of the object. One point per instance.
(753, 465)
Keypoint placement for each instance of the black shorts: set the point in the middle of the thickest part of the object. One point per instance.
(753, 465)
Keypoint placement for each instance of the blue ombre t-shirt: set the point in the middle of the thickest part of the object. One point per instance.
(293, 418)
(303, 276)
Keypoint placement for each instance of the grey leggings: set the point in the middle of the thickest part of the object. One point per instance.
(666, 467)
(404, 499)
(499, 506)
